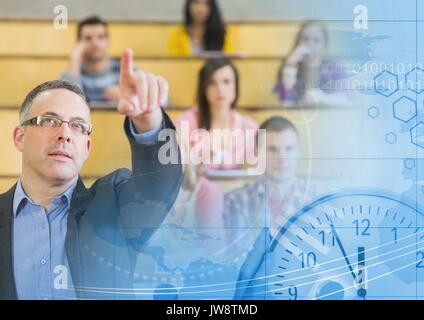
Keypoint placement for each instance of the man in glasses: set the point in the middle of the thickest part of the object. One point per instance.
(60, 240)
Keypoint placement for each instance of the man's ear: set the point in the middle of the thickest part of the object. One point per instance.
(89, 145)
(19, 138)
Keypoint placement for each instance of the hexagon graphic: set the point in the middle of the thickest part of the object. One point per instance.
(391, 138)
(373, 112)
(404, 109)
(417, 135)
(415, 80)
(409, 163)
(386, 83)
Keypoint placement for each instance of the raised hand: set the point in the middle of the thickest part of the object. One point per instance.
(141, 95)
(300, 53)
(78, 57)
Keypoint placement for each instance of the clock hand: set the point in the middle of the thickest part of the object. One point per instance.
(362, 292)
(339, 242)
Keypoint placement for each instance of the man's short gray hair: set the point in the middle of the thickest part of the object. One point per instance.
(49, 85)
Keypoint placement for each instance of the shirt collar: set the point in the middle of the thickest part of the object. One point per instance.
(20, 198)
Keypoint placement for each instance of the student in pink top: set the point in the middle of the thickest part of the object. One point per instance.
(200, 202)
(199, 206)
(216, 131)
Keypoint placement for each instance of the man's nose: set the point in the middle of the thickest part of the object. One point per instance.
(64, 132)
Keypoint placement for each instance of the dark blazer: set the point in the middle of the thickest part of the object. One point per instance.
(107, 223)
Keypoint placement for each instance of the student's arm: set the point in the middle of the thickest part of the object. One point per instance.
(78, 57)
(290, 68)
(112, 93)
(73, 73)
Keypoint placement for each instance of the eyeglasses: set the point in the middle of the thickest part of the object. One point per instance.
(76, 126)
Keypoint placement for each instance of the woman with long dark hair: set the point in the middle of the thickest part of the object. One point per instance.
(203, 30)
(217, 96)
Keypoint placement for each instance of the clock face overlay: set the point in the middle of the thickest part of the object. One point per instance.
(348, 245)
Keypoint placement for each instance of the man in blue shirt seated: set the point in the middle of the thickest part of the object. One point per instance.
(60, 240)
(90, 66)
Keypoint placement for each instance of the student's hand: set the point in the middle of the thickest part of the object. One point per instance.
(78, 56)
(298, 54)
(112, 93)
(141, 95)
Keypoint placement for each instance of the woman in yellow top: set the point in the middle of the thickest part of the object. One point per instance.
(203, 31)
